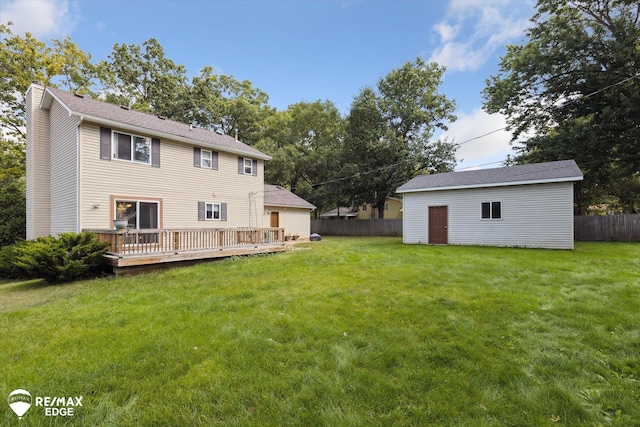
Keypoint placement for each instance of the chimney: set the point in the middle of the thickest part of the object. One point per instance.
(38, 153)
(236, 135)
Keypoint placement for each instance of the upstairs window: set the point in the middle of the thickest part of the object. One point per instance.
(205, 159)
(247, 166)
(491, 210)
(131, 148)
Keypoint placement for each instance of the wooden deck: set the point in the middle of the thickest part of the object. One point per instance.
(135, 248)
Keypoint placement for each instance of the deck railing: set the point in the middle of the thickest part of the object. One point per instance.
(143, 242)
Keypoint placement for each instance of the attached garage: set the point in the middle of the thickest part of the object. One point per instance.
(521, 206)
(286, 210)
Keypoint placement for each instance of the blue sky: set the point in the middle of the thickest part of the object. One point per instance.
(308, 50)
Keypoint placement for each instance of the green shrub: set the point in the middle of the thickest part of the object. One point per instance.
(7, 268)
(70, 256)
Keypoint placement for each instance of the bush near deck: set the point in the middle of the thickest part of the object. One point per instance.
(352, 331)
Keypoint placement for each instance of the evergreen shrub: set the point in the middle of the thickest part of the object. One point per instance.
(67, 257)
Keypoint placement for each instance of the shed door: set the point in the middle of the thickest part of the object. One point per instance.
(275, 219)
(438, 225)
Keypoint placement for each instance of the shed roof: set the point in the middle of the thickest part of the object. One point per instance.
(274, 195)
(535, 173)
(116, 116)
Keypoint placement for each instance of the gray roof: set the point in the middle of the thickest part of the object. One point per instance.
(113, 115)
(344, 211)
(274, 195)
(535, 173)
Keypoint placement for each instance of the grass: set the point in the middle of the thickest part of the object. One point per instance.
(353, 331)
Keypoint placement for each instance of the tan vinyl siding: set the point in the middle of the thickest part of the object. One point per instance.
(37, 159)
(539, 215)
(293, 220)
(63, 170)
(176, 182)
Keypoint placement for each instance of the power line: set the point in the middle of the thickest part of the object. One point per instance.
(358, 174)
(572, 101)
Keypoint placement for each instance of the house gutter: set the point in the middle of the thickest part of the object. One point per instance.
(494, 184)
(163, 135)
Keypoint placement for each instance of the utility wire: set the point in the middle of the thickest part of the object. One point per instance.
(483, 135)
(572, 101)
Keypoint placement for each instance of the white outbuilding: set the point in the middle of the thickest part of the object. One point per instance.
(520, 206)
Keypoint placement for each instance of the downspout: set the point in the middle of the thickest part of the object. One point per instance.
(78, 210)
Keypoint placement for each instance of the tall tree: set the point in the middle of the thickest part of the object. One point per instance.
(24, 59)
(389, 131)
(12, 188)
(143, 78)
(305, 142)
(222, 102)
(575, 85)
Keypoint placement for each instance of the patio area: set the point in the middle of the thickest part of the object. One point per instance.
(132, 250)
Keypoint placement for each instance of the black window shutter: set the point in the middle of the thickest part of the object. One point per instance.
(214, 161)
(241, 165)
(196, 157)
(155, 152)
(105, 143)
(223, 211)
(200, 211)
(254, 168)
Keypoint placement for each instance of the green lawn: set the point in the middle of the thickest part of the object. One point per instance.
(347, 331)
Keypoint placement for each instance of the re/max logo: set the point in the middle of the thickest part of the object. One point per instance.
(59, 401)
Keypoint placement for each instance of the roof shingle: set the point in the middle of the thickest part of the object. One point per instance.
(564, 170)
(100, 112)
(274, 195)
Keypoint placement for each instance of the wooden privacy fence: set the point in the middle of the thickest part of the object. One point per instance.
(607, 228)
(357, 227)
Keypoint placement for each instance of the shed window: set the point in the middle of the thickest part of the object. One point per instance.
(491, 210)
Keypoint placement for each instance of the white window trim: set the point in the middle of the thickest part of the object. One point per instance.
(213, 211)
(202, 159)
(114, 147)
(246, 160)
(491, 218)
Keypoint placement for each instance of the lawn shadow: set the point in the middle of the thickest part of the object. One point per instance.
(23, 285)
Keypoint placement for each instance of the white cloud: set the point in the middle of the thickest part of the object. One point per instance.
(42, 18)
(478, 152)
(473, 31)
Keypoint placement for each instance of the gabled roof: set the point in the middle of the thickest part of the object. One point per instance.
(344, 211)
(274, 195)
(111, 115)
(535, 173)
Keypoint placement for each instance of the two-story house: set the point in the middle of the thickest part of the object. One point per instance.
(90, 162)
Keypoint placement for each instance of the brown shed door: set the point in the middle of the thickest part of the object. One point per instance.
(438, 225)
(275, 219)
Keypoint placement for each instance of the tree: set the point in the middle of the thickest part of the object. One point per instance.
(145, 80)
(389, 131)
(305, 141)
(23, 60)
(12, 191)
(75, 71)
(222, 102)
(575, 85)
